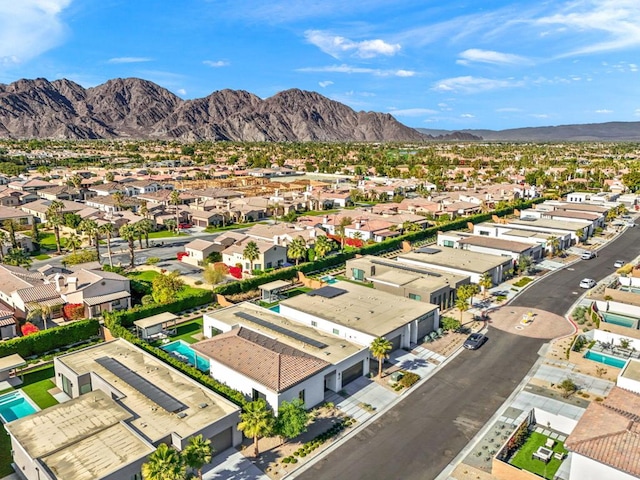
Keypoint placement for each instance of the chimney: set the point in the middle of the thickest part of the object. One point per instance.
(312, 233)
(358, 225)
(325, 219)
(59, 281)
(72, 284)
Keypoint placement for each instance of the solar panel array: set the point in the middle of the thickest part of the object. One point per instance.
(326, 292)
(142, 385)
(429, 250)
(282, 330)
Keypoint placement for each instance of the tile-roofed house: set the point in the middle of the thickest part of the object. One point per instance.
(605, 444)
(271, 255)
(274, 366)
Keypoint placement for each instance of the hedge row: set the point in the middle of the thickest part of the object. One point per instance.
(222, 389)
(127, 317)
(51, 339)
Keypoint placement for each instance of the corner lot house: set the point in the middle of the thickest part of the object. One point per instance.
(266, 355)
(199, 249)
(124, 404)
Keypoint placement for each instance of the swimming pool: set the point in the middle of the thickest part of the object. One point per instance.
(275, 308)
(329, 279)
(183, 351)
(621, 320)
(606, 359)
(15, 405)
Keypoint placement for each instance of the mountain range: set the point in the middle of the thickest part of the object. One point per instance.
(139, 109)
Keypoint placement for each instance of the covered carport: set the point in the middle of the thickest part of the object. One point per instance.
(271, 291)
(8, 366)
(156, 326)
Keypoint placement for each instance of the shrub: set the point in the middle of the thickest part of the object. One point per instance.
(29, 328)
(81, 256)
(408, 379)
(522, 282)
(73, 311)
(450, 323)
(198, 282)
(153, 260)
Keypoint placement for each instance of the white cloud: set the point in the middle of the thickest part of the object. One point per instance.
(475, 55)
(412, 112)
(467, 115)
(636, 113)
(470, 84)
(181, 91)
(29, 28)
(326, 83)
(508, 110)
(128, 60)
(337, 46)
(539, 115)
(216, 63)
(604, 111)
(351, 69)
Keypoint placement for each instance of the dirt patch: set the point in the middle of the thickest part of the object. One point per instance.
(273, 451)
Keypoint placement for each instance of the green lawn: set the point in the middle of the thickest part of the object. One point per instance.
(345, 279)
(5, 453)
(48, 241)
(166, 234)
(523, 457)
(186, 331)
(233, 226)
(42, 256)
(149, 275)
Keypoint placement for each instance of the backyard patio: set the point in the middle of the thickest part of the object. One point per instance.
(541, 453)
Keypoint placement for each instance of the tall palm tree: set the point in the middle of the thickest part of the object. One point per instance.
(486, 282)
(344, 223)
(462, 304)
(73, 241)
(251, 252)
(175, 200)
(128, 233)
(144, 227)
(54, 218)
(256, 421)
(17, 257)
(91, 230)
(144, 209)
(380, 348)
(76, 181)
(39, 311)
(323, 246)
(107, 230)
(109, 177)
(198, 453)
(118, 197)
(11, 226)
(297, 249)
(164, 464)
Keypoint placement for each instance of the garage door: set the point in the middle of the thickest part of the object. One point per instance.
(222, 441)
(425, 326)
(396, 342)
(353, 372)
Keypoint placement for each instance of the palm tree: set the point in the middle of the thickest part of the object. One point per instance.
(297, 249)
(107, 230)
(74, 241)
(145, 227)
(54, 218)
(118, 197)
(76, 181)
(197, 453)
(109, 177)
(39, 311)
(144, 209)
(323, 246)
(17, 257)
(174, 199)
(380, 348)
(256, 421)
(128, 233)
(171, 224)
(344, 223)
(486, 282)
(11, 226)
(462, 304)
(251, 252)
(3, 240)
(554, 244)
(91, 230)
(164, 464)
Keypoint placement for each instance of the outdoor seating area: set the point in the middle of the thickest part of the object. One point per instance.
(609, 348)
(540, 453)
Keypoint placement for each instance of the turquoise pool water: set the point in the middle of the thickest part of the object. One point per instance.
(329, 279)
(621, 320)
(14, 405)
(183, 351)
(275, 308)
(606, 359)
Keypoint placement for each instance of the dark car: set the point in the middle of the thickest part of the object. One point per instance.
(474, 341)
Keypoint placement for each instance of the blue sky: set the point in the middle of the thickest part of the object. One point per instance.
(442, 65)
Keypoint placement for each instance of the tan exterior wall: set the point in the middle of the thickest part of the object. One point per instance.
(504, 471)
(622, 297)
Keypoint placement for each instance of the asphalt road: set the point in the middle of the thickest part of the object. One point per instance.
(422, 434)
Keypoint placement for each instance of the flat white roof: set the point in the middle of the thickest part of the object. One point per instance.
(10, 362)
(154, 320)
(459, 259)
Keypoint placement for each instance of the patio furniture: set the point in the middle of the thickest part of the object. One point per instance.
(543, 454)
(558, 455)
(550, 443)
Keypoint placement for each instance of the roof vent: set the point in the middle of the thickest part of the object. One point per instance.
(203, 405)
(181, 414)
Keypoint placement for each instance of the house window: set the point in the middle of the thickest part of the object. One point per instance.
(358, 274)
(336, 331)
(314, 323)
(255, 395)
(447, 243)
(301, 395)
(414, 296)
(486, 234)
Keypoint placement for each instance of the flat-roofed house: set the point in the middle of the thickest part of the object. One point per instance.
(125, 402)
(492, 246)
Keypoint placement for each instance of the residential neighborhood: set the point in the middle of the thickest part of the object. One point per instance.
(267, 314)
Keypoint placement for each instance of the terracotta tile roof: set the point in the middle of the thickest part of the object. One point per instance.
(609, 432)
(273, 364)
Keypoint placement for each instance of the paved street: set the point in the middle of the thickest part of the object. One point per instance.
(421, 435)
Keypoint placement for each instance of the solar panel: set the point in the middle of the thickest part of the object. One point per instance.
(282, 330)
(326, 292)
(429, 250)
(142, 385)
(400, 266)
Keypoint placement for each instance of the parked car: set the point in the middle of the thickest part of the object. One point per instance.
(474, 341)
(630, 224)
(184, 225)
(588, 255)
(587, 283)
(619, 263)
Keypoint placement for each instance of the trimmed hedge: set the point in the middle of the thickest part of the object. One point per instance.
(50, 339)
(127, 317)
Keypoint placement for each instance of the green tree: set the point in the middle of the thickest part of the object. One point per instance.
(256, 421)
(36, 236)
(92, 231)
(54, 218)
(297, 249)
(144, 209)
(3, 241)
(128, 233)
(486, 282)
(251, 252)
(323, 246)
(214, 274)
(462, 304)
(176, 201)
(144, 227)
(71, 220)
(38, 311)
(165, 286)
(106, 229)
(554, 244)
(76, 181)
(380, 348)
(344, 223)
(292, 419)
(164, 464)
(118, 198)
(17, 257)
(197, 453)
(109, 177)
(73, 241)
(524, 263)
(11, 226)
